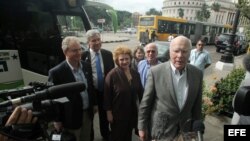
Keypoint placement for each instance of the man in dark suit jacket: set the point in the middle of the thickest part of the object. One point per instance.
(172, 96)
(82, 104)
(107, 63)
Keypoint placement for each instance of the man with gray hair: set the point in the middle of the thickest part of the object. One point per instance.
(172, 95)
(102, 62)
(150, 60)
(81, 104)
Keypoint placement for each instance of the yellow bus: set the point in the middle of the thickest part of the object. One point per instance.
(164, 26)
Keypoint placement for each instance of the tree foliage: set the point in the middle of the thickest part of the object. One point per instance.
(203, 14)
(153, 11)
(96, 13)
(124, 19)
(181, 12)
(244, 6)
(216, 7)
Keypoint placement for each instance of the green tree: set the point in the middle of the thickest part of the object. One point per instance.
(124, 19)
(203, 14)
(153, 11)
(244, 6)
(181, 12)
(216, 7)
(96, 13)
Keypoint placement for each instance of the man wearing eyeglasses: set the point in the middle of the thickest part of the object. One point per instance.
(151, 53)
(200, 57)
(82, 105)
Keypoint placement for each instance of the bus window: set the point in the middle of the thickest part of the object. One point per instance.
(147, 21)
(36, 28)
(192, 28)
(163, 26)
(181, 29)
(70, 25)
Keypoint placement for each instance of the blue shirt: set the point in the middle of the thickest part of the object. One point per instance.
(80, 77)
(143, 68)
(200, 58)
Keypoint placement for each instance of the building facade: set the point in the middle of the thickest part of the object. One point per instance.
(225, 15)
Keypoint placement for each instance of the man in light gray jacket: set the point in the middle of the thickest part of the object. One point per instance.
(172, 96)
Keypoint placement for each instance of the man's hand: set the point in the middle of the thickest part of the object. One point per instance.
(142, 135)
(19, 116)
(110, 116)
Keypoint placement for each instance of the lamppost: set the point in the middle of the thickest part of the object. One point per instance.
(227, 59)
(228, 55)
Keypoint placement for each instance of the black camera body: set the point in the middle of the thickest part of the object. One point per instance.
(242, 101)
(47, 105)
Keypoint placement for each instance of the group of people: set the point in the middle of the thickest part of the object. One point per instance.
(130, 91)
(147, 37)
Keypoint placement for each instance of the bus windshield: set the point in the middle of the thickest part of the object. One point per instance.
(147, 21)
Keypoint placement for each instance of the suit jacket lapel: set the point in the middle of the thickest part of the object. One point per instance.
(105, 61)
(68, 71)
(190, 82)
(170, 84)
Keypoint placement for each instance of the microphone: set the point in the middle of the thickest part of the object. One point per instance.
(246, 62)
(50, 93)
(199, 127)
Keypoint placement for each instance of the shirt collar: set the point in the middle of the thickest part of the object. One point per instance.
(175, 71)
(93, 52)
(72, 68)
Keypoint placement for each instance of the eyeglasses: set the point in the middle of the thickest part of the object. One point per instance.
(152, 51)
(76, 50)
(200, 44)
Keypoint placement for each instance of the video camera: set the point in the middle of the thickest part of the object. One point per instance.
(241, 102)
(48, 105)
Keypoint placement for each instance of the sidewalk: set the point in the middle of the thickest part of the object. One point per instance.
(113, 37)
(214, 125)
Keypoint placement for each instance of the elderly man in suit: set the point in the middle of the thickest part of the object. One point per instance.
(83, 104)
(172, 96)
(102, 62)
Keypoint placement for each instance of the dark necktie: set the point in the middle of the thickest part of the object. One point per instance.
(99, 72)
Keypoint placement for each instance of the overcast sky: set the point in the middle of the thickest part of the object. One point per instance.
(134, 5)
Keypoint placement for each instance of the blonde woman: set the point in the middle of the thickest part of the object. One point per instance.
(122, 93)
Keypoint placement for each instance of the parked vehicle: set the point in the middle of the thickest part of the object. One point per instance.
(163, 50)
(240, 43)
(130, 30)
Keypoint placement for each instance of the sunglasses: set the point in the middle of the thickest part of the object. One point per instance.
(152, 51)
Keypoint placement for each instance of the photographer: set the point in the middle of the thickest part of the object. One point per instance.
(19, 116)
(240, 119)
